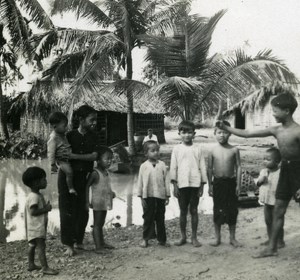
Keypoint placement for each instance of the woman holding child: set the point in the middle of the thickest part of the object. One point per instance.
(73, 213)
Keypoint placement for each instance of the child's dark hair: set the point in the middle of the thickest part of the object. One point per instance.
(186, 126)
(227, 123)
(57, 117)
(102, 150)
(285, 100)
(275, 151)
(148, 144)
(32, 174)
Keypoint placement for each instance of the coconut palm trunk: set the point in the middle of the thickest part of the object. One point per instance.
(3, 124)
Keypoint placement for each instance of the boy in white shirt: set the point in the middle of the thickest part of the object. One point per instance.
(154, 191)
(188, 176)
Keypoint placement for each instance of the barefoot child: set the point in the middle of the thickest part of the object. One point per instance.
(224, 179)
(154, 191)
(288, 137)
(188, 176)
(102, 196)
(268, 181)
(59, 148)
(36, 218)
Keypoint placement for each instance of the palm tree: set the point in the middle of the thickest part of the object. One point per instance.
(195, 82)
(12, 21)
(126, 20)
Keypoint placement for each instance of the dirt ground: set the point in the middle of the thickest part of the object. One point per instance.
(129, 261)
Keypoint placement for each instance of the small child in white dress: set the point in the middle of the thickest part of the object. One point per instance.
(267, 181)
(102, 196)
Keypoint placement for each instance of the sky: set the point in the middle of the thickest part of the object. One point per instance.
(253, 25)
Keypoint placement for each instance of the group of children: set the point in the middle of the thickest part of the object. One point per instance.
(75, 152)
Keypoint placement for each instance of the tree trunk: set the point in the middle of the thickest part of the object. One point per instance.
(3, 123)
(130, 128)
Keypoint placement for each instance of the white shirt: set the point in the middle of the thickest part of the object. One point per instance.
(267, 190)
(152, 180)
(188, 166)
(36, 226)
(153, 138)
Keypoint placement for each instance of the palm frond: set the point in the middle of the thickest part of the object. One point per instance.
(168, 12)
(234, 77)
(199, 33)
(82, 8)
(179, 96)
(64, 67)
(167, 54)
(37, 13)
(16, 25)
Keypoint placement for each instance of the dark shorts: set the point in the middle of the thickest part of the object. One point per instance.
(289, 180)
(188, 197)
(225, 201)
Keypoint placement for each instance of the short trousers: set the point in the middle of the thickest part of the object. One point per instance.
(289, 180)
(188, 197)
(32, 242)
(225, 201)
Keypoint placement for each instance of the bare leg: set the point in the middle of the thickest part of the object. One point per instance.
(183, 220)
(268, 212)
(194, 214)
(233, 241)
(31, 252)
(218, 235)
(67, 169)
(41, 245)
(277, 225)
(97, 231)
(280, 242)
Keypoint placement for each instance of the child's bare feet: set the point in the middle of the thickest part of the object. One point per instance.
(100, 251)
(33, 267)
(165, 244)
(78, 246)
(235, 243)
(196, 243)
(108, 246)
(266, 253)
(266, 243)
(144, 244)
(280, 244)
(181, 242)
(49, 271)
(215, 243)
(70, 251)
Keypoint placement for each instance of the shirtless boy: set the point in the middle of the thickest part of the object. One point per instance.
(288, 139)
(224, 179)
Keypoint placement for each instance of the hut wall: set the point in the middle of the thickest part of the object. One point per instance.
(142, 122)
(35, 126)
(262, 118)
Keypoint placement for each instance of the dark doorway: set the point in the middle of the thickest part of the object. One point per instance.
(240, 121)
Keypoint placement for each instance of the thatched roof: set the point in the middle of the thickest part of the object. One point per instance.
(42, 99)
(259, 98)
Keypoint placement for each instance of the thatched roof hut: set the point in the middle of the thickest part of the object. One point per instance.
(35, 106)
(254, 111)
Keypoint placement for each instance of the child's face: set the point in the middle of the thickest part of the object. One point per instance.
(90, 122)
(153, 152)
(280, 114)
(222, 136)
(150, 132)
(270, 160)
(105, 160)
(41, 183)
(61, 127)
(187, 135)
